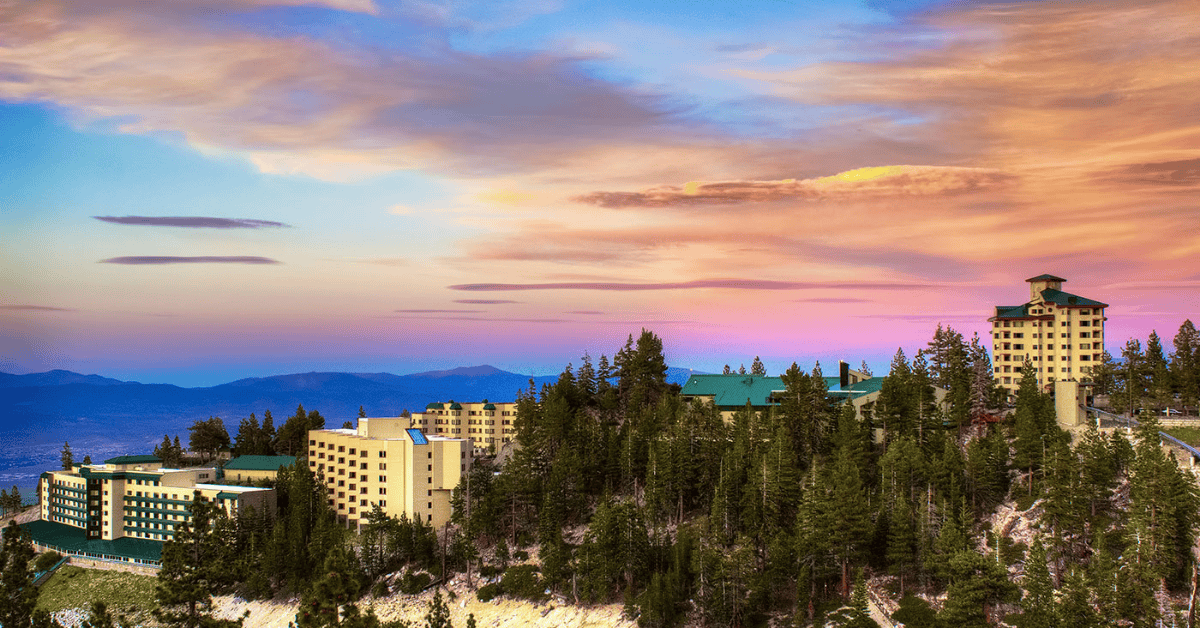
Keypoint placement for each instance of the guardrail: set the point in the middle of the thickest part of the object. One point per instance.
(1131, 422)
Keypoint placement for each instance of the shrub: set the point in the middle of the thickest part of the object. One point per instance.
(413, 582)
(487, 571)
(523, 581)
(46, 561)
(915, 613)
(521, 555)
(380, 589)
(488, 592)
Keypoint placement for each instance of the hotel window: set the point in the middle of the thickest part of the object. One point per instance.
(382, 503)
(383, 478)
(363, 490)
(382, 454)
(383, 466)
(362, 466)
(352, 451)
(382, 491)
(365, 453)
(341, 448)
(312, 442)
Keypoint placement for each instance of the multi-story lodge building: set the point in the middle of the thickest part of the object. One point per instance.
(135, 497)
(488, 425)
(1061, 335)
(387, 462)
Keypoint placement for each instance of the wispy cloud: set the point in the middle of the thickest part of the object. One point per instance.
(700, 284)
(832, 300)
(199, 222)
(485, 301)
(488, 319)
(586, 312)
(35, 308)
(882, 181)
(440, 311)
(143, 260)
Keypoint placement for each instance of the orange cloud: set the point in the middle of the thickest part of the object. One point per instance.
(884, 181)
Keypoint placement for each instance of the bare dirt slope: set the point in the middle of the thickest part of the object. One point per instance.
(499, 613)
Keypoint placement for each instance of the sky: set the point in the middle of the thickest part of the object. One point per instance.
(193, 191)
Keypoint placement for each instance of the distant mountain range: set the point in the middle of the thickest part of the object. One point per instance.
(104, 417)
(39, 403)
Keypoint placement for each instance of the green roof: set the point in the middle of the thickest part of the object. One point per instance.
(435, 406)
(133, 460)
(455, 406)
(735, 390)
(1058, 297)
(71, 539)
(227, 495)
(489, 406)
(259, 463)
(1012, 311)
(1045, 278)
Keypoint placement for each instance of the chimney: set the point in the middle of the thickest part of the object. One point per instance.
(843, 374)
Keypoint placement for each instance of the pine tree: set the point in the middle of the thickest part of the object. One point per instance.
(850, 516)
(18, 597)
(185, 579)
(727, 370)
(977, 584)
(1185, 364)
(1074, 608)
(1158, 377)
(1133, 377)
(333, 594)
(1038, 604)
(758, 368)
(67, 459)
(865, 369)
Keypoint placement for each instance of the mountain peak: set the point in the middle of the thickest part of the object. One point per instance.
(463, 371)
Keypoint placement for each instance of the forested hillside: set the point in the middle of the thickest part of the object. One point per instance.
(622, 492)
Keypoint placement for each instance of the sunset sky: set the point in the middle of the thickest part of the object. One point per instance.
(193, 191)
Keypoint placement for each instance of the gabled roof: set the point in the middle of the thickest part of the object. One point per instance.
(133, 460)
(435, 406)
(1045, 278)
(1058, 297)
(489, 406)
(259, 463)
(454, 405)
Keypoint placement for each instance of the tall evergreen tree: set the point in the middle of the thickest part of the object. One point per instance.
(68, 460)
(850, 515)
(1185, 364)
(1158, 377)
(18, 597)
(1038, 609)
(185, 579)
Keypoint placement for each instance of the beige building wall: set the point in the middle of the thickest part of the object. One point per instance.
(488, 425)
(402, 473)
(111, 501)
(1062, 340)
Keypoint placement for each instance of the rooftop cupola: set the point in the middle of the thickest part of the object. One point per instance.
(1041, 282)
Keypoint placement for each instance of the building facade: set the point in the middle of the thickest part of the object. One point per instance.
(1060, 335)
(135, 497)
(387, 462)
(488, 425)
